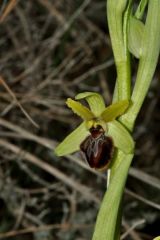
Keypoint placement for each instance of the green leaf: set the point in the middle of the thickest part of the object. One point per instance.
(114, 110)
(135, 36)
(121, 137)
(107, 218)
(94, 100)
(79, 109)
(72, 142)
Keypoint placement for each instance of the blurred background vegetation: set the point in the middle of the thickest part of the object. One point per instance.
(51, 50)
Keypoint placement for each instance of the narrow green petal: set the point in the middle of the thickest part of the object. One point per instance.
(79, 109)
(121, 137)
(95, 101)
(114, 110)
(72, 142)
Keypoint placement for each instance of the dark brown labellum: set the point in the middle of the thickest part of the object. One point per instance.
(97, 148)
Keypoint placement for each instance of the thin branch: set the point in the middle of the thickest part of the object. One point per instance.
(2, 81)
(8, 9)
(85, 191)
(64, 226)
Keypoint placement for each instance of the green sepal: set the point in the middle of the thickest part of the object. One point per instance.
(72, 142)
(79, 109)
(95, 101)
(121, 137)
(135, 36)
(114, 110)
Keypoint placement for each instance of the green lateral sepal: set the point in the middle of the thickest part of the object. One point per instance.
(121, 137)
(72, 142)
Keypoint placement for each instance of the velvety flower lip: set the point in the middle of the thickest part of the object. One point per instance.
(96, 114)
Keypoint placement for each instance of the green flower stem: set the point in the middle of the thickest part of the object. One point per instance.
(118, 222)
(108, 220)
(118, 34)
(105, 230)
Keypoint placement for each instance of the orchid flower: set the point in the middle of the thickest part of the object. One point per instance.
(100, 115)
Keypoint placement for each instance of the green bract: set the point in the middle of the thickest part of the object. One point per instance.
(135, 36)
(157, 238)
(98, 114)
